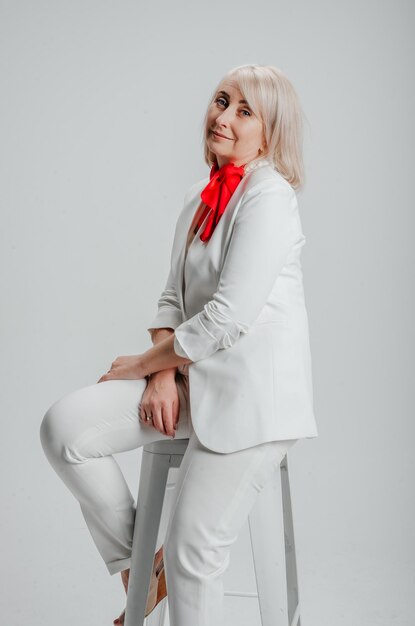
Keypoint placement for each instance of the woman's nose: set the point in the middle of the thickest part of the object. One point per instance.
(224, 118)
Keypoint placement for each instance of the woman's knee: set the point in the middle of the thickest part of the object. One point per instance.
(50, 431)
(57, 428)
(94, 421)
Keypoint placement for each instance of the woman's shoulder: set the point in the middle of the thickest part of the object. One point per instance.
(268, 177)
(191, 200)
(196, 188)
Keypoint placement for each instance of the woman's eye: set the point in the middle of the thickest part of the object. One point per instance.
(223, 100)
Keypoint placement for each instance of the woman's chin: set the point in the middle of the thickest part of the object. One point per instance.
(216, 150)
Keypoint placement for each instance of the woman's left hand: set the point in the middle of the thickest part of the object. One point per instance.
(125, 367)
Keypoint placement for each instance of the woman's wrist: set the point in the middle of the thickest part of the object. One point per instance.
(168, 373)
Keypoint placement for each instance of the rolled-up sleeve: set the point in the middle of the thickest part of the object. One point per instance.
(178, 348)
(263, 235)
(169, 314)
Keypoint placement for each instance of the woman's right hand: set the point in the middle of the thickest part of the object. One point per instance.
(161, 400)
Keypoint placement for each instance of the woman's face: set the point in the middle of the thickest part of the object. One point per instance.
(240, 130)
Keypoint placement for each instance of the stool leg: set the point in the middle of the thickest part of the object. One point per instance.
(266, 526)
(291, 563)
(153, 479)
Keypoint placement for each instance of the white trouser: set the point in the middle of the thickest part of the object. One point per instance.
(213, 495)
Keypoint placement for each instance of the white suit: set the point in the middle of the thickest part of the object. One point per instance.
(237, 308)
(241, 319)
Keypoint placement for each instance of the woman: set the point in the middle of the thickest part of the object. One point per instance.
(230, 367)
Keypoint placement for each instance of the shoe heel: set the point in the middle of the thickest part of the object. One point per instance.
(158, 587)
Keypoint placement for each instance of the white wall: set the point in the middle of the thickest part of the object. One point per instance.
(101, 117)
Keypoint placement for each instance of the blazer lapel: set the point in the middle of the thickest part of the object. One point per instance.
(224, 223)
(186, 220)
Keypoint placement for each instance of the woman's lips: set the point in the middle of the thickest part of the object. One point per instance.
(219, 136)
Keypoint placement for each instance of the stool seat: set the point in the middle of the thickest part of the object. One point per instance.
(270, 518)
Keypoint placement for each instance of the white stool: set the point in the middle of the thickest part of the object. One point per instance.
(270, 518)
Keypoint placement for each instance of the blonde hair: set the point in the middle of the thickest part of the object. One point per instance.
(273, 99)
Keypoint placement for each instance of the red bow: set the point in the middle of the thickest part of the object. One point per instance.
(217, 193)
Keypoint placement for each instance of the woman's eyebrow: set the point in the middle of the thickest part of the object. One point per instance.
(228, 96)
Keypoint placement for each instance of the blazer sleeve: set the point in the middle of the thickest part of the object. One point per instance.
(263, 235)
(169, 314)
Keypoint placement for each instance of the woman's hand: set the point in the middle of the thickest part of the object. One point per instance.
(125, 367)
(161, 400)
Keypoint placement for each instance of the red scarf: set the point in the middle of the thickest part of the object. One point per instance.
(217, 193)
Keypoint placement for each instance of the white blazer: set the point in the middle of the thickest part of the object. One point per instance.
(241, 317)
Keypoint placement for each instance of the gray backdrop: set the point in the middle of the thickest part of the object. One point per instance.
(101, 127)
